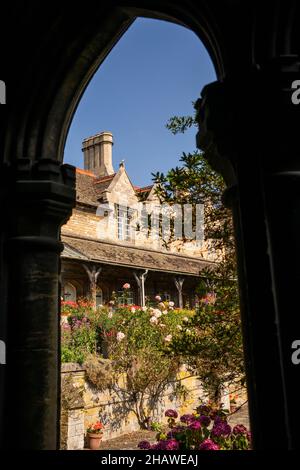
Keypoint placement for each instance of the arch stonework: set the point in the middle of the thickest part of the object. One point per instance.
(255, 51)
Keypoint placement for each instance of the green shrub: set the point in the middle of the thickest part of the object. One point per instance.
(136, 341)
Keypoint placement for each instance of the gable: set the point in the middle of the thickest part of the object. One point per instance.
(121, 191)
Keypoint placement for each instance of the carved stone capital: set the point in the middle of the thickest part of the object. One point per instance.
(42, 195)
(239, 120)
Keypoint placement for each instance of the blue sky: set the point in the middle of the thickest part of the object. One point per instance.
(155, 71)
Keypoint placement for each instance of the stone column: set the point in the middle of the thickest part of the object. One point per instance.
(179, 283)
(93, 274)
(249, 129)
(41, 199)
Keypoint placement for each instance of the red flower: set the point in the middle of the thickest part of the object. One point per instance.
(96, 427)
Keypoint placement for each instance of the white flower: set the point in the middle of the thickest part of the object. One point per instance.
(157, 313)
(110, 315)
(132, 309)
(162, 325)
(158, 298)
(185, 319)
(165, 312)
(168, 338)
(120, 336)
(179, 327)
(171, 308)
(154, 320)
(171, 304)
(144, 309)
(161, 305)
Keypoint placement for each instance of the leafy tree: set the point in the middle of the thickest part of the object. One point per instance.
(211, 341)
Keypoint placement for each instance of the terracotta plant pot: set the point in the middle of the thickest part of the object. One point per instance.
(94, 440)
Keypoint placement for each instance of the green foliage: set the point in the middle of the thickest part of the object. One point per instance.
(135, 343)
(211, 342)
(78, 339)
(156, 426)
(179, 124)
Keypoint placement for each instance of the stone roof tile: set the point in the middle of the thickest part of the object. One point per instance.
(112, 253)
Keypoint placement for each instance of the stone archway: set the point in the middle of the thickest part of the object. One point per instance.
(247, 56)
(40, 117)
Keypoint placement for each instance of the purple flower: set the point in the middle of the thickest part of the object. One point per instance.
(170, 444)
(195, 425)
(219, 419)
(145, 445)
(208, 444)
(221, 429)
(205, 420)
(158, 446)
(187, 419)
(167, 444)
(240, 429)
(175, 430)
(171, 414)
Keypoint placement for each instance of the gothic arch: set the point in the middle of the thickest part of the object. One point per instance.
(45, 75)
(42, 127)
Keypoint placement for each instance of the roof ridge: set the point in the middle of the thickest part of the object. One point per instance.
(104, 178)
(85, 172)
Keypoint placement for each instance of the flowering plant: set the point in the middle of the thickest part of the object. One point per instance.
(205, 429)
(96, 428)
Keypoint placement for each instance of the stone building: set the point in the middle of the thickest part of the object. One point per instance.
(255, 50)
(114, 236)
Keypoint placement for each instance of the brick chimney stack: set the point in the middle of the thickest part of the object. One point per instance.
(97, 152)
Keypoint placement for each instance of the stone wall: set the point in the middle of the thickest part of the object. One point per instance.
(83, 223)
(82, 405)
(91, 222)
